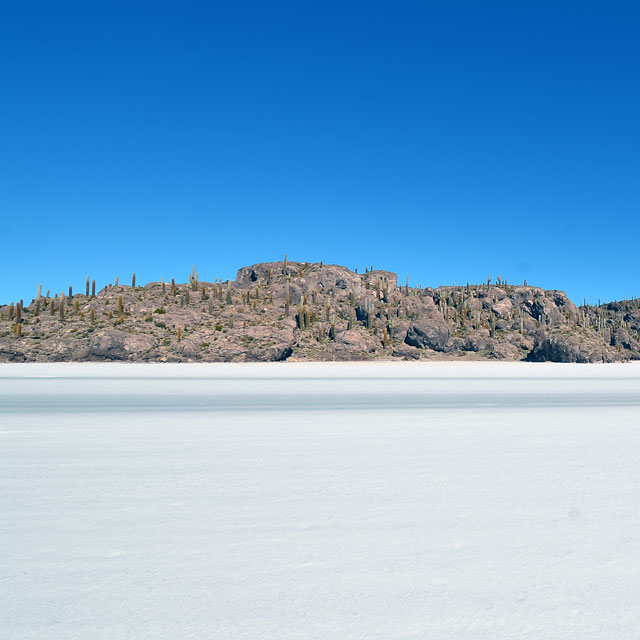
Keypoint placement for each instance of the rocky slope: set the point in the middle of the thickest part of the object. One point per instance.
(295, 311)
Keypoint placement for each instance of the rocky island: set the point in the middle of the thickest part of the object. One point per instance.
(311, 311)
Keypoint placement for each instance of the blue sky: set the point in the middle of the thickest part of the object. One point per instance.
(447, 141)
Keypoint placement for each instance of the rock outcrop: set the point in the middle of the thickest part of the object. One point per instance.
(299, 311)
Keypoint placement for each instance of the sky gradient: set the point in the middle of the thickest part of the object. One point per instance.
(445, 141)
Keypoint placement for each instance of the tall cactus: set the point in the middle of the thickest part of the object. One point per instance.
(193, 278)
(38, 299)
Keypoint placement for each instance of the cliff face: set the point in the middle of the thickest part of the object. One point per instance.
(295, 311)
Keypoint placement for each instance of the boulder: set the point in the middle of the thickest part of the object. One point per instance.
(560, 347)
(115, 344)
(358, 340)
(430, 333)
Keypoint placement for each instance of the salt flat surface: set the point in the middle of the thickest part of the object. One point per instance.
(399, 500)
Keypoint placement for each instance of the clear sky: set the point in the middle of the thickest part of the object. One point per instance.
(447, 140)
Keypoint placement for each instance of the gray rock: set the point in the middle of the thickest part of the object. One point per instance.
(560, 347)
(430, 333)
(114, 344)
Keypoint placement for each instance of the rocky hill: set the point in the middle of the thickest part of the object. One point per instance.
(301, 311)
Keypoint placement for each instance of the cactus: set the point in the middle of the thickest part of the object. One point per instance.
(70, 292)
(302, 317)
(18, 330)
(133, 281)
(211, 304)
(173, 287)
(115, 283)
(369, 310)
(179, 333)
(92, 315)
(93, 288)
(76, 307)
(61, 306)
(521, 323)
(187, 297)
(164, 287)
(11, 310)
(229, 294)
(110, 314)
(19, 312)
(120, 306)
(284, 265)
(193, 278)
(407, 286)
(86, 287)
(231, 317)
(38, 299)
